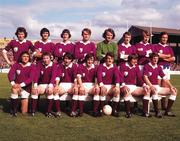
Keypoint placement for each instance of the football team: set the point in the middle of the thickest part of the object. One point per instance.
(108, 73)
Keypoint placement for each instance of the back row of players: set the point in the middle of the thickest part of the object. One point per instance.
(70, 68)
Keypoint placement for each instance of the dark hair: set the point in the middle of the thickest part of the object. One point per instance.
(86, 30)
(66, 31)
(44, 30)
(126, 33)
(88, 56)
(108, 30)
(21, 29)
(69, 56)
(152, 55)
(46, 54)
(109, 54)
(132, 56)
(163, 33)
(20, 58)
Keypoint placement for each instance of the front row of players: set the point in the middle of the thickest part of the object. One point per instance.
(103, 82)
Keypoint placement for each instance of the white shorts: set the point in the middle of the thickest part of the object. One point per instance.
(42, 88)
(132, 88)
(163, 91)
(88, 87)
(66, 86)
(24, 94)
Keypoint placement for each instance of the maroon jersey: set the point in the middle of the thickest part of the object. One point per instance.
(61, 48)
(18, 47)
(22, 75)
(45, 74)
(164, 49)
(81, 49)
(124, 50)
(108, 75)
(67, 73)
(131, 74)
(143, 51)
(87, 74)
(152, 72)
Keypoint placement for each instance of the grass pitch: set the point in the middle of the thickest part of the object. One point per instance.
(86, 128)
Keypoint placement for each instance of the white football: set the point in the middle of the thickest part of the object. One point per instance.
(107, 110)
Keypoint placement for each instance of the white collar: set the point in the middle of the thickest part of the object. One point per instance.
(155, 66)
(85, 43)
(23, 41)
(26, 65)
(68, 42)
(128, 45)
(129, 65)
(144, 44)
(92, 67)
(69, 66)
(163, 45)
(48, 41)
(111, 66)
(49, 65)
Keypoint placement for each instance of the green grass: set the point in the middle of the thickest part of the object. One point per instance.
(86, 128)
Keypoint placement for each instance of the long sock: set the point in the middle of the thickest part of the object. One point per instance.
(57, 105)
(14, 105)
(33, 104)
(115, 106)
(50, 104)
(156, 108)
(81, 104)
(163, 103)
(145, 105)
(170, 103)
(74, 105)
(95, 105)
(127, 106)
(102, 103)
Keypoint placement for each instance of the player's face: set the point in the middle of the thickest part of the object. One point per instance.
(109, 36)
(109, 60)
(25, 58)
(65, 37)
(86, 36)
(127, 39)
(90, 61)
(67, 61)
(133, 62)
(164, 39)
(46, 60)
(45, 36)
(21, 36)
(155, 60)
(145, 39)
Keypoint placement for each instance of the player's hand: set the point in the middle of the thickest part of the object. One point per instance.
(35, 91)
(81, 90)
(173, 90)
(126, 89)
(103, 90)
(96, 90)
(146, 88)
(153, 89)
(56, 89)
(49, 90)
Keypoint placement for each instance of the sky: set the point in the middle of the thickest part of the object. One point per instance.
(75, 15)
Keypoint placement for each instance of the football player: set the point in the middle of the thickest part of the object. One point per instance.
(43, 84)
(108, 80)
(43, 45)
(151, 72)
(21, 77)
(18, 46)
(87, 81)
(82, 48)
(65, 46)
(132, 78)
(107, 45)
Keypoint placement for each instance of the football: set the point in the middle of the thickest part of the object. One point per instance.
(107, 110)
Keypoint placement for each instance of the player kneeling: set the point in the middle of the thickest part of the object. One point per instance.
(66, 82)
(108, 80)
(86, 77)
(43, 83)
(131, 77)
(21, 76)
(151, 72)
